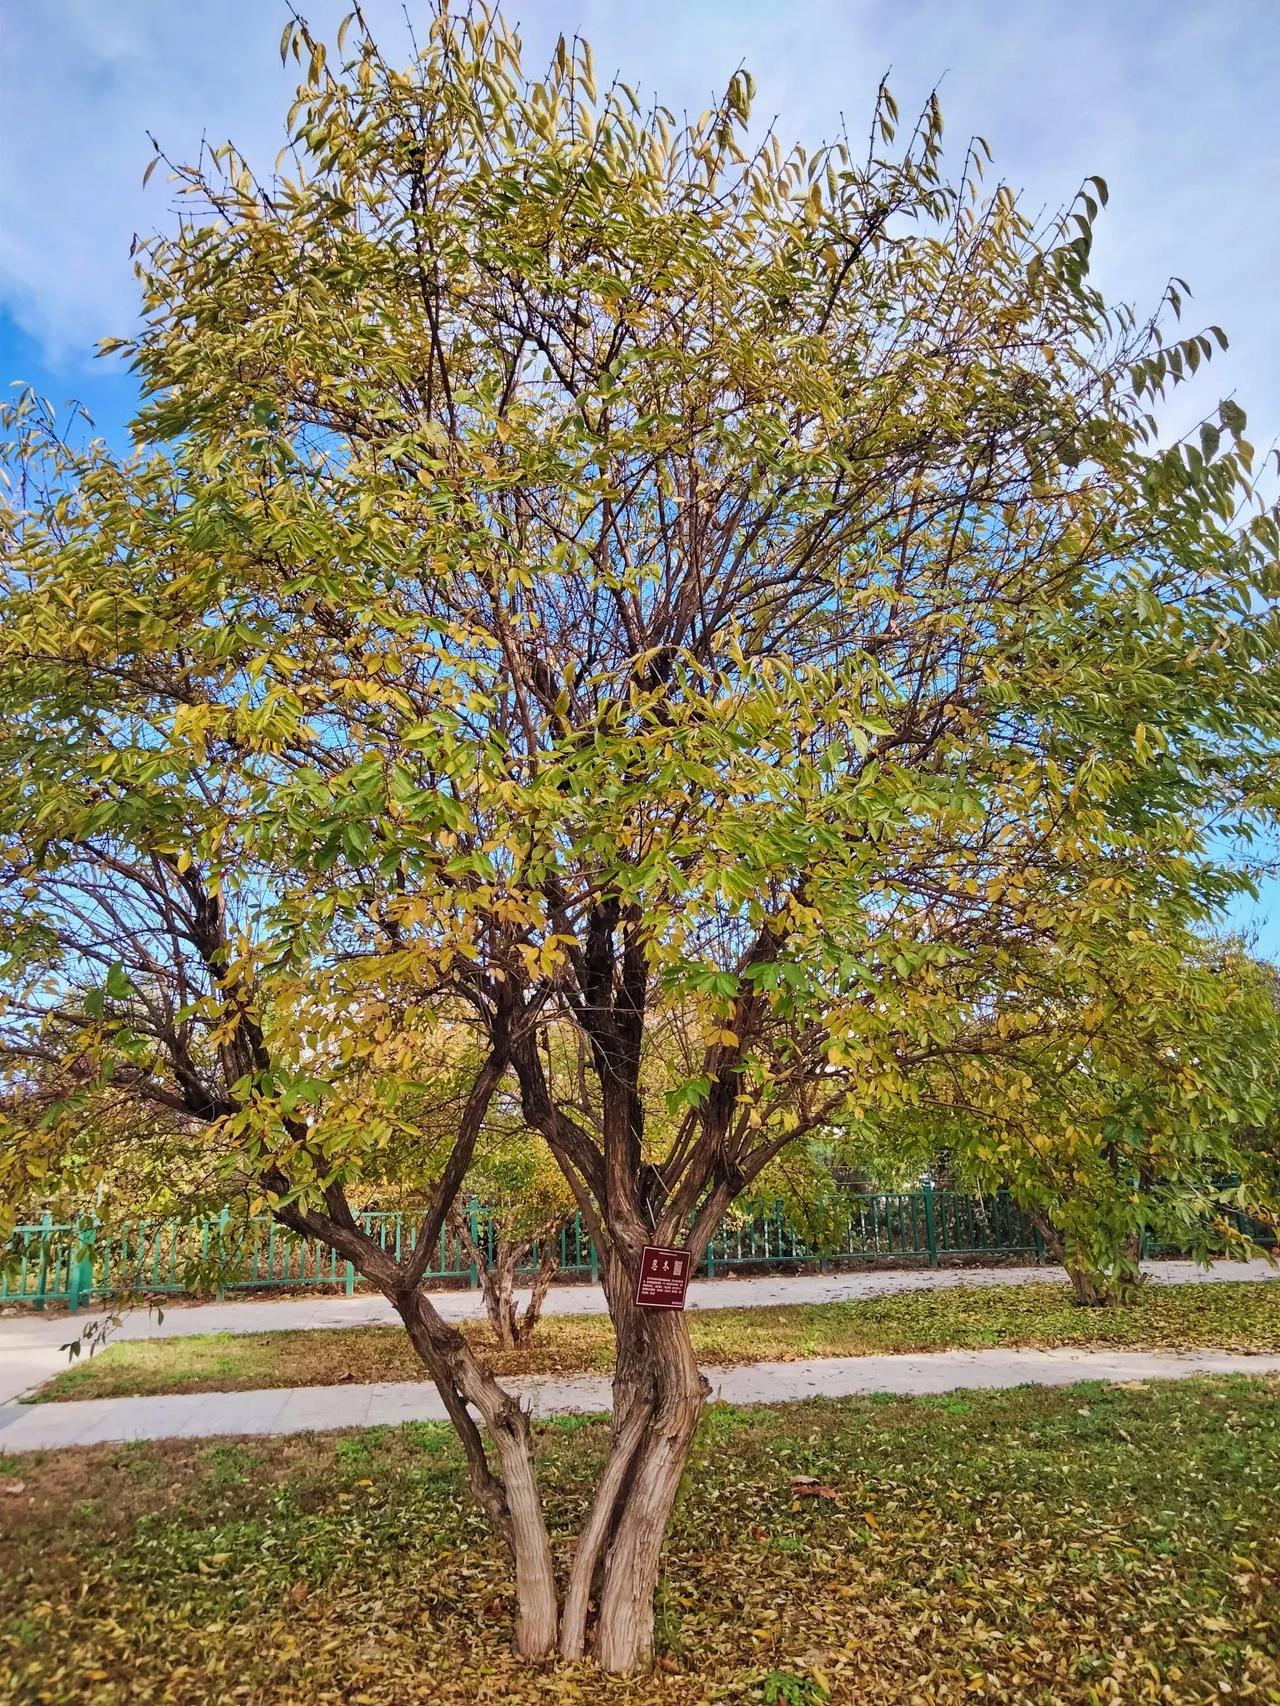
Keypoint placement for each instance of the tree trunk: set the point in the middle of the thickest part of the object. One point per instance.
(634, 1403)
(497, 1278)
(658, 1398)
(1094, 1288)
(1090, 1292)
(512, 1502)
(499, 1284)
(547, 1267)
(659, 1391)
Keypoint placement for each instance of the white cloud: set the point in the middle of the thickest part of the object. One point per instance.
(1172, 101)
(84, 82)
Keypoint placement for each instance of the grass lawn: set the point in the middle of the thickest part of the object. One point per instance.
(1240, 1316)
(1089, 1544)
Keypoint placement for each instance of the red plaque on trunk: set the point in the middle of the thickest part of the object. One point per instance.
(664, 1274)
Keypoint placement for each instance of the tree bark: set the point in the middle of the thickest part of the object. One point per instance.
(658, 1397)
(1089, 1293)
(512, 1502)
(548, 1265)
(634, 1402)
(498, 1286)
(1093, 1288)
(1105, 1290)
(655, 1440)
(497, 1278)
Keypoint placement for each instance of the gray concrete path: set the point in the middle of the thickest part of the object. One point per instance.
(202, 1415)
(31, 1344)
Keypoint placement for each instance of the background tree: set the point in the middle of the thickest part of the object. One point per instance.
(1141, 1137)
(1255, 1135)
(516, 1203)
(596, 573)
(524, 1206)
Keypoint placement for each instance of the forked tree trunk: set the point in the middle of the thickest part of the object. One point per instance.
(659, 1393)
(497, 1287)
(1090, 1292)
(497, 1277)
(658, 1398)
(1093, 1288)
(624, 1633)
(1105, 1290)
(548, 1266)
(631, 1419)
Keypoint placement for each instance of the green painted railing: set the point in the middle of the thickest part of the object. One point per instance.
(72, 1263)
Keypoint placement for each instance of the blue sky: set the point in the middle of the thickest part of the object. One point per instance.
(1173, 101)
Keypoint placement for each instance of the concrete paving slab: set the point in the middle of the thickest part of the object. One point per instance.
(30, 1343)
(322, 1408)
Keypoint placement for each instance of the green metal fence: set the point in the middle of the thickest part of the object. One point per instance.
(72, 1263)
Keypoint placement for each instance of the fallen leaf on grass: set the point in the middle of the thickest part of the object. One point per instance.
(809, 1487)
(13, 1488)
(1002, 1556)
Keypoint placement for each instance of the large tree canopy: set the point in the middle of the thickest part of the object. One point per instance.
(714, 622)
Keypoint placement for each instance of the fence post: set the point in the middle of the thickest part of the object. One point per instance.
(591, 1245)
(73, 1272)
(473, 1215)
(86, 1276)
(220, 1291)
(42, 1281)
(80, 1277)
(350, 1280)
(930, 1229)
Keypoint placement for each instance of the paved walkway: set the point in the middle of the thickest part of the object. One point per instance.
(201, 1415)
(31, 1344)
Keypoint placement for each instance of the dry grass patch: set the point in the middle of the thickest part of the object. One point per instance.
(1239, 1316)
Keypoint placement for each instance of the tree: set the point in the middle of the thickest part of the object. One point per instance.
(1253, 1045)
(526, 1205)
(601, 577)
(1130, 1140)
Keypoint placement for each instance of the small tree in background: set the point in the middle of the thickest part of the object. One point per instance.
(607, 577)
(525, 1205)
